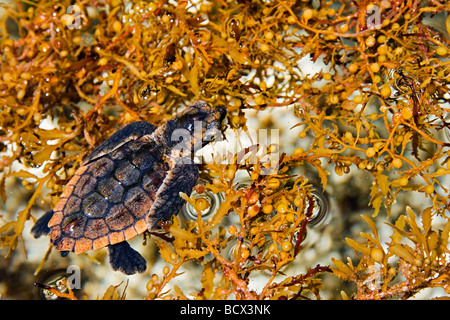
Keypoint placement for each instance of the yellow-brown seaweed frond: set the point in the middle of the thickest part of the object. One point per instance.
(73, 73)
(415, 258)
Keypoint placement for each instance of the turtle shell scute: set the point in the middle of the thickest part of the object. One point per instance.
(127, 173)
(95, 228)
(73, 225)
(138, 202)
(119, 218)
(85, 185)
(111, 189)
(102, 167)
(72, 205)
(94, 205)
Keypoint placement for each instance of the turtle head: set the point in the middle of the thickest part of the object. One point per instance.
(195, 126)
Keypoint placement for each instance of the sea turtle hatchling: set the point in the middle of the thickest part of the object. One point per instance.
(129, 184)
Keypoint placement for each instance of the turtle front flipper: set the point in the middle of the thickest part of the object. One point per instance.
(181, 178)
(132, 131)
(41, 226)
(125, 259)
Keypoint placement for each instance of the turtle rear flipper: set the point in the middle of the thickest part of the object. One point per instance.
(41, 226)
(125, 259)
